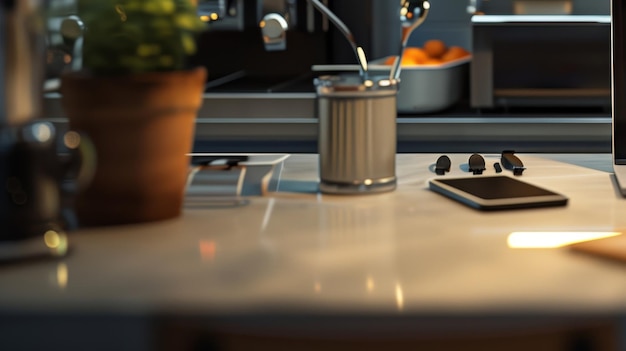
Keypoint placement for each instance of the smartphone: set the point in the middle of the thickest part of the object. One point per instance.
(496, 192)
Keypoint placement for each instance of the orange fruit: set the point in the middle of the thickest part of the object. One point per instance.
(416, 54)
(454, 53)
(435, 48)
(408, 61)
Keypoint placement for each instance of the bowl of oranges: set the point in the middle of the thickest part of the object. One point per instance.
(432, 77)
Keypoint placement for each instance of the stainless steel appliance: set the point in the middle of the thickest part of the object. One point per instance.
(540, 60)
(259, 53)
(540, 53)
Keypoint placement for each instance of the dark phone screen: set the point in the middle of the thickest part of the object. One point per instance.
(496, 187)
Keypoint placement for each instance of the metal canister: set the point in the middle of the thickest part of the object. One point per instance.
(357, 134)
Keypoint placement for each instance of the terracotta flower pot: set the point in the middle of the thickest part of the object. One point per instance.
(142, 127)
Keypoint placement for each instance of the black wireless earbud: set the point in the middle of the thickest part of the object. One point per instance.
(443, 165)
(476, 164)
(512, 162)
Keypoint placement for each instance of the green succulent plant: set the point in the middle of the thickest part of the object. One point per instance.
(137, 36)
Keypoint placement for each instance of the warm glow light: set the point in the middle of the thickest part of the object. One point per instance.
(71, 139)
(262, 24)
(62, 275)
(547, 240)
(207, 250)
(205, 18)
(214, 16)
(52, 239)
(399, 297)
(369, 283)
(317, 287)
(56, 242)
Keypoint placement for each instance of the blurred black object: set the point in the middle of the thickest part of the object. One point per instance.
(37, 184)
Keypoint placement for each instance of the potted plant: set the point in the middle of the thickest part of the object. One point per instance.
(137, 101)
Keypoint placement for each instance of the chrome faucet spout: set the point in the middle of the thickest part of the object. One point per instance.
(358, 51)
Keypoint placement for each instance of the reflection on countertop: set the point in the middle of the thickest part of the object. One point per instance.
(403, 265)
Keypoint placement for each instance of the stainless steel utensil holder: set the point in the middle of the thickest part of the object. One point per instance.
(357, 134)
